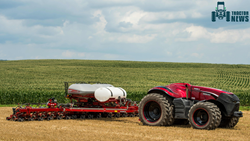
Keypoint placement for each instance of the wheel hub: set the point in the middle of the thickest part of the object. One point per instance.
(201, 117)
(152, 111)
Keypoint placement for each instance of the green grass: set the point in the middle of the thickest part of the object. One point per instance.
(8, 105)
(245, 108)
(37, 80)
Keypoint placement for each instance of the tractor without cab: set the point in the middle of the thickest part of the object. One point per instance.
(203, 107)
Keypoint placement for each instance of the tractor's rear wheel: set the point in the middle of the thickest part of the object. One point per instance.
(229, 122)
(156, 110)
(204, 115)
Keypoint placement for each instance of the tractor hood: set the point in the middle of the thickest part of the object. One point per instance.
(179, 89)
(211, 90)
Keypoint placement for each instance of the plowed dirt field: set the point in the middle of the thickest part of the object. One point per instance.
(113, 129)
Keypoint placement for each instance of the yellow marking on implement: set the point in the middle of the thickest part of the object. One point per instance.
(115, 111)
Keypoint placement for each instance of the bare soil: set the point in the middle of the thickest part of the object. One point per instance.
(113, 129)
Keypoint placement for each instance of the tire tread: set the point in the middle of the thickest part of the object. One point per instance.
(168, 119)
(216, 115)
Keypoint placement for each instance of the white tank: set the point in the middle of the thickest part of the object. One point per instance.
(105, 93)
(85, 89)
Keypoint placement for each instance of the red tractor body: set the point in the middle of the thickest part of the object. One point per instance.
(178, 90)
(203, 107)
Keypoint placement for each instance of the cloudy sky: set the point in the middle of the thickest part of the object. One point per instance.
(137, 30)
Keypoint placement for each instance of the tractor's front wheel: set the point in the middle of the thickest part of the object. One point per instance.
(229, 122)
(204, 115)
(156, 110)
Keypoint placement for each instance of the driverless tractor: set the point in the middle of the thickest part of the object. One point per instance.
(87, 101)
(220, 12)
(202, 107)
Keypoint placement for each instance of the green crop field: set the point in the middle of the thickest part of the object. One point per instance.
(37, 80)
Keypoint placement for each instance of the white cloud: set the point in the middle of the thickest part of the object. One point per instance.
(81, 54)
(196, 15)
(231, 36)
(99, 26)
(197, 32)
(136, 38)
(133, 16)
(65, 23)
(216, 35)
(169, 53)
(197, 55)
(153, 16)
(68, 54)
(2, 55)
(18, 31)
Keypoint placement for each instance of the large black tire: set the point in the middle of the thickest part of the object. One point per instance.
(229, 122)
(213, 16)
(156, 110)
(204, 115)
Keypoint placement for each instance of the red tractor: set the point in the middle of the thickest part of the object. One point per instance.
(202, 107)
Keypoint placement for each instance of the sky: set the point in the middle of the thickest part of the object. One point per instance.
(131, 30)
